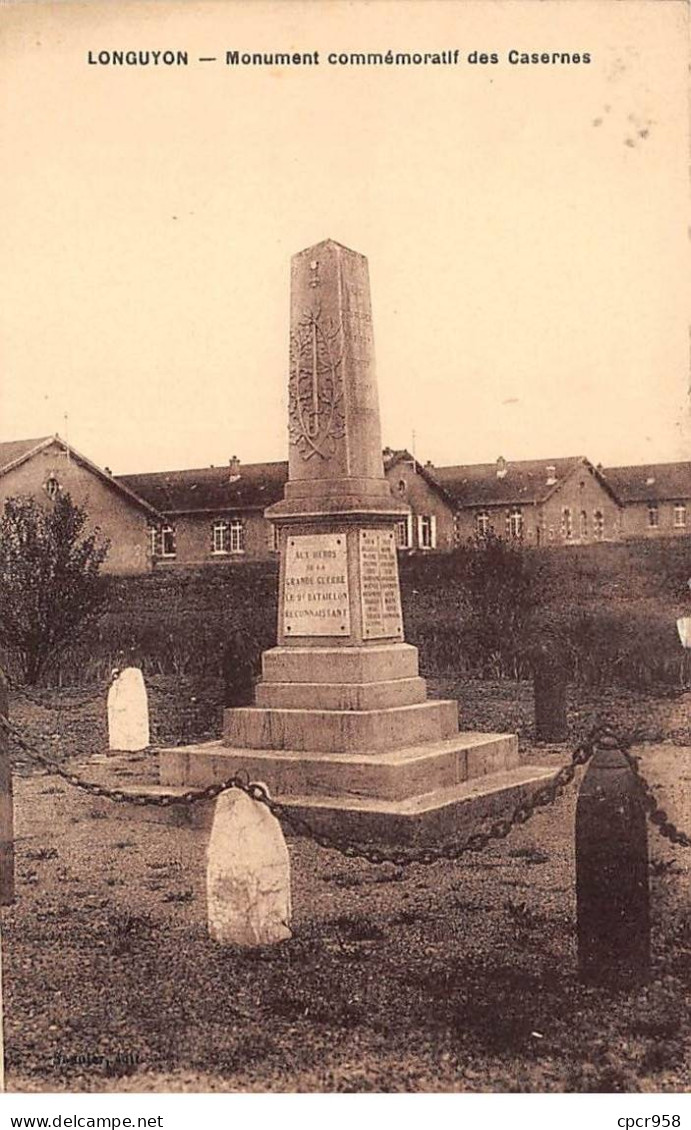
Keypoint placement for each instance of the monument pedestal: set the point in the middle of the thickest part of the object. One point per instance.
(342, 730)
(346, 738)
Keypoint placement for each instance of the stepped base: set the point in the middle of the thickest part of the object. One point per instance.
(339, 731)
(427, 818)
(446, 814)
(389, 775)
(341, 696)
(420, 793)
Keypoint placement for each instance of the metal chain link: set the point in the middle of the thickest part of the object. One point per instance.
(656, 815)
(499, 829)
(602, 736)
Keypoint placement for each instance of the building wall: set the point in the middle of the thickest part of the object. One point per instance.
(407, 486)
(467, 525)
(580, 492)
(124, 524)
(636, 522)
(194, 539)
(543, 524)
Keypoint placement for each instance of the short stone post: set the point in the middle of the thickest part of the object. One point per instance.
(612, 893)
(550, 680)
(248, 874)
(128, 711)
(6, 806)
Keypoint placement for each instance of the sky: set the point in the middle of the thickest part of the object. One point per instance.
(525, 225)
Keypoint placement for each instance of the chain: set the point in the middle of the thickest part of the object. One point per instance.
(656, 815)
(601, 736)
(117, 795)
(449, 850)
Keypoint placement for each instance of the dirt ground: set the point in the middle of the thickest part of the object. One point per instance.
(447, 977)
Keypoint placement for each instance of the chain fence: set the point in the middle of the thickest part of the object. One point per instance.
(602, 736)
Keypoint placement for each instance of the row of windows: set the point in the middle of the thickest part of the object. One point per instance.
(229, 536)
(226, 537)
(426, 532)
(678, 515)
(584, 531)
(514, 525)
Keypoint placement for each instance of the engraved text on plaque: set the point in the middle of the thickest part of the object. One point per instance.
(315, 595)
(381, 601)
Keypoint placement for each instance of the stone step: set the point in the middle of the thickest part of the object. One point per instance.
(341, 696)
(425, 818)
(339, 731)
(388, 775)
(370, 663)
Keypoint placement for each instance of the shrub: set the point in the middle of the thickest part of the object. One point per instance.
(50, 586)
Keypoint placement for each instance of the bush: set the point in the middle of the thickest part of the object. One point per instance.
(50, 586)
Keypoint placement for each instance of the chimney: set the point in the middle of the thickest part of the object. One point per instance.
(501, 467)
(234, 464)
(551, 475)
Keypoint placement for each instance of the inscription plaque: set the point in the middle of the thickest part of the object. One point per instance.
(315, 591)
(381, 597)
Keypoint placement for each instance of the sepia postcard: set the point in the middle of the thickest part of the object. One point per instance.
(345, 531)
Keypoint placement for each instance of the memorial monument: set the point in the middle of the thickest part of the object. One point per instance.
(341, 728)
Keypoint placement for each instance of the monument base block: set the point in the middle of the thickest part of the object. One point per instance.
(419, 793)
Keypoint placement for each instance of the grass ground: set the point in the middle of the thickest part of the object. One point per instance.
(449, 977)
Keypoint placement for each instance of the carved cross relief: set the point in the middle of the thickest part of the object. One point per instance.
(316, 409)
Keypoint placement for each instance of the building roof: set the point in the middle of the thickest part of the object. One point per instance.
(250, 486)
(522, 483)
(650, 482)
(391, 458)
(15, 452)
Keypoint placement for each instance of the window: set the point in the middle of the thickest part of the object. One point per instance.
(52, 487)
(404, 533)
(236, 536)
(227, 537)
(162, 541)
(679, 514)
(598, 525)
(167, 542)
(566, 524)
(427, 531)
(514, 523)
(584, 525)
(482, 526)
(219, 537)
(653, 516)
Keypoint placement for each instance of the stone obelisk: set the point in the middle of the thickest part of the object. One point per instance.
(340, 628)
(342, 729)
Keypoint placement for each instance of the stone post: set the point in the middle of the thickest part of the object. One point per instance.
(612, 875)
(549, 686)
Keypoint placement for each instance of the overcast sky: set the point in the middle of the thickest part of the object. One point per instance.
(526, 226)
